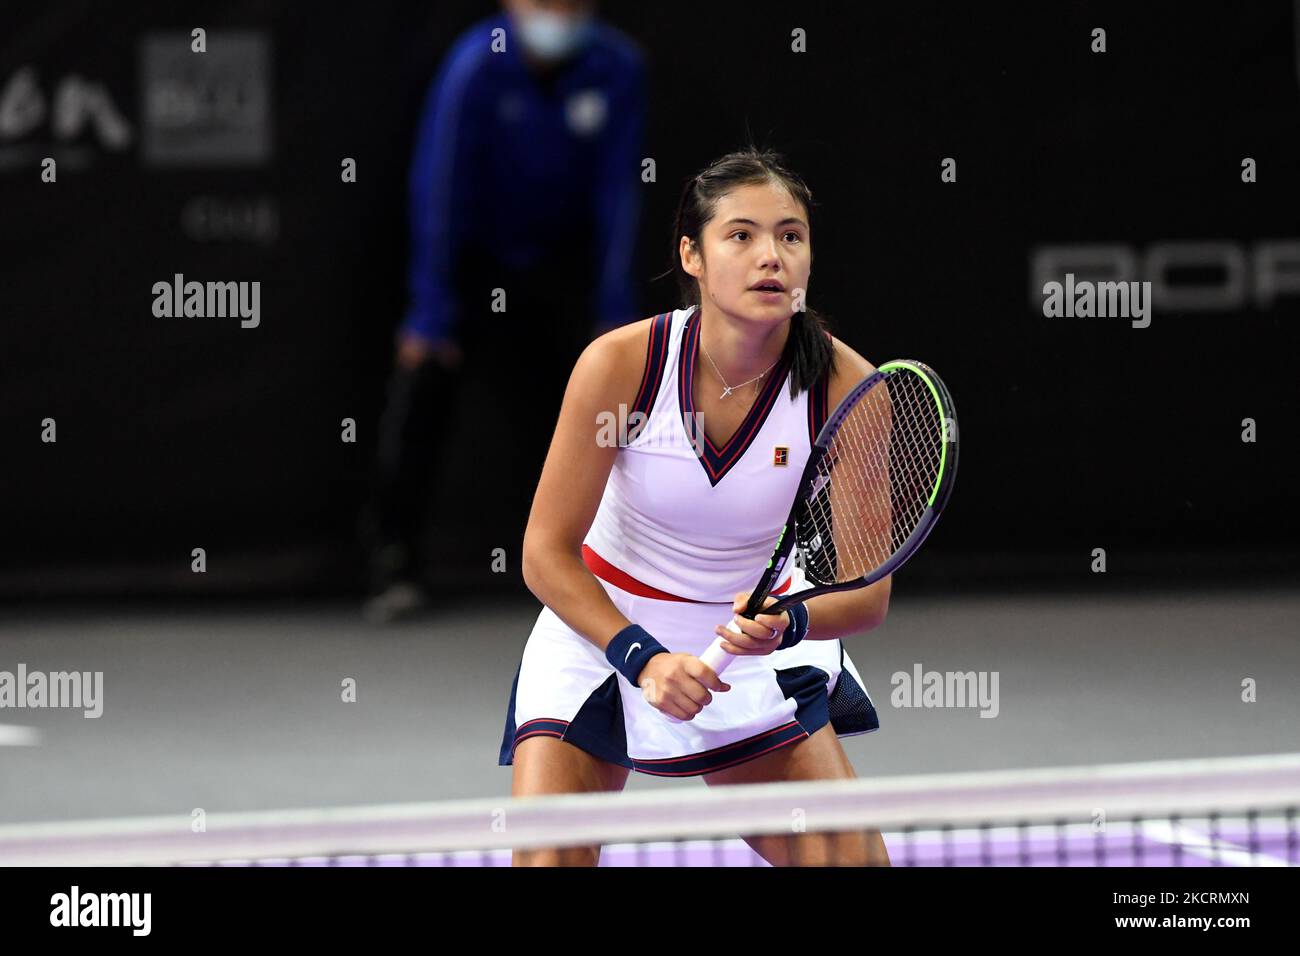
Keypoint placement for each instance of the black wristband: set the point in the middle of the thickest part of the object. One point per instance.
(630, 651)
(798, 628)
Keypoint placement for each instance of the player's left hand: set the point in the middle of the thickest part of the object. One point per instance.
(759, 636)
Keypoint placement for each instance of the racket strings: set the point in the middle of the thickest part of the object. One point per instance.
(875, 482)
(861, 512)
(847, 513)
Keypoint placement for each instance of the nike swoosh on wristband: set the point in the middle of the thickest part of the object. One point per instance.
(630, 650)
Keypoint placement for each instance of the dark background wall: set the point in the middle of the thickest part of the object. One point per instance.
(1077, 433)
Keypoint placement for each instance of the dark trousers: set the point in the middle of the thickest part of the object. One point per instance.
(460, 451)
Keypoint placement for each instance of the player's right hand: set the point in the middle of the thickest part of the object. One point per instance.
(679, 685)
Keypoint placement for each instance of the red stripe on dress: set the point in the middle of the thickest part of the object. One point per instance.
(625, 582)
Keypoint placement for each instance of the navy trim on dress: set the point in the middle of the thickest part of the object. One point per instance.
(718, 461)
(507, 754)
(720, 758)
(818, 412)
(597, 727)
(655, 359)
(850, 708)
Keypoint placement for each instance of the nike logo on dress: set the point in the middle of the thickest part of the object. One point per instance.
(630, 650)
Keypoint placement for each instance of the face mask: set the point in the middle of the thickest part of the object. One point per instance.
(550, 36)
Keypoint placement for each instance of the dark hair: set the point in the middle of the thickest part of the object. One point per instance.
(808, 346)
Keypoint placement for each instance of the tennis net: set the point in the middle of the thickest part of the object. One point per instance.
(1238, 811)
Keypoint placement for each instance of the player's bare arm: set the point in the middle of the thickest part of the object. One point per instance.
(606, 375)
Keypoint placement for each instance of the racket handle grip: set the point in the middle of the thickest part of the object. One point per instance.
(716, 658)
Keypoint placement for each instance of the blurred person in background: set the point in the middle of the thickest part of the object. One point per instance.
(524, 205)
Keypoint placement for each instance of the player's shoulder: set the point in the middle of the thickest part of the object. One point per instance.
(615, 361)
(850, 368)
(626, 341)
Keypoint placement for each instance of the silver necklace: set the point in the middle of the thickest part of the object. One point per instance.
(728, 389)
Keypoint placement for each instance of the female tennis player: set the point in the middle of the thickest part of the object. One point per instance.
(677, 453)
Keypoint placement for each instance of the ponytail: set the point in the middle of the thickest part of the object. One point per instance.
(810, 351)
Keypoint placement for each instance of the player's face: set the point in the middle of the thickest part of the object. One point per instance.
(757, 233)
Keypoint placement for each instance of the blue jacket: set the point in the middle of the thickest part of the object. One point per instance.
(508, 164)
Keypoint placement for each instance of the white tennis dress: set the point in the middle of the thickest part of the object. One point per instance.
(683, 526)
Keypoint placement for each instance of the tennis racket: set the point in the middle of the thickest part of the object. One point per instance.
(880, 472)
